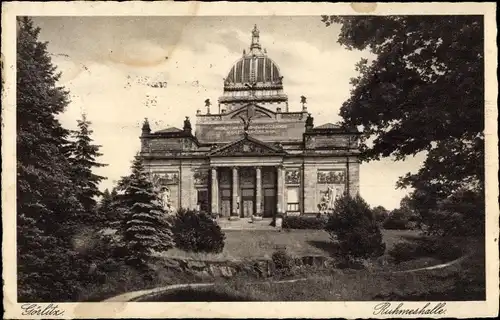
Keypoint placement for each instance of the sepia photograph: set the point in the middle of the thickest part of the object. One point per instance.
(315, 157)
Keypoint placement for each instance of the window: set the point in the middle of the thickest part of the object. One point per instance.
(292, 199)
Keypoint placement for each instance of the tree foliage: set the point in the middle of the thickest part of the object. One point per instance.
(423, 92)
(197, 232)
(352, 224)
(47, 207)
(105, 202)
(146, 227)
(380, 213)
(460, 214)
(83, 160)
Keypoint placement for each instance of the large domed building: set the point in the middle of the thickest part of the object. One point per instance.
(253, 156)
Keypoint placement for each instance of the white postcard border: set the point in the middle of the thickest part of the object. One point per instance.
(239, 309)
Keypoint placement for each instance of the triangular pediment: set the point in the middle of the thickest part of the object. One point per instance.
(247, 146)
(256, 110)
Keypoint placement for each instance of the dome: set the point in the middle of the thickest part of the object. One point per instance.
(253, 68)
(254, 78)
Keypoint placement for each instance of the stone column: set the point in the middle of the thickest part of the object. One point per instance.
(279, 194)
(215, 192)
(234, 207)
(258, 191)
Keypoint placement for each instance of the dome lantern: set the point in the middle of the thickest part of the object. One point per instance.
(255, 39)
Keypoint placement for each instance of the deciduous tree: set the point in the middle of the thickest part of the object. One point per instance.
(423, 92)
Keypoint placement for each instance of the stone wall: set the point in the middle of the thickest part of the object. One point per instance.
(262, 268)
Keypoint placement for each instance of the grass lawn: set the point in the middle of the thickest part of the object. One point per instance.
(463, 281)
(458, 283)
(248, 244)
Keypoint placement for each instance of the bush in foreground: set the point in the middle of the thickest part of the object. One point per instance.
(437, 248)
(302, 222)
(197, 232)
(283, 261)
(404, 251)
(352, 224)
(396, 220)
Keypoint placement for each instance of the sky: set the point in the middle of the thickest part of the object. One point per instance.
(109, 63)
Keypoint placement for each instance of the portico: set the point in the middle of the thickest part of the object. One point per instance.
(253, 190)
(245, 179)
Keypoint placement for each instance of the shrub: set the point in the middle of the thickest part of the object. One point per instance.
(197, 232)
(302, 222)
(354, 227)
(460, 214)
(397, 220)
(282, 261)
(404, 251)
(380, 214)
(437, 248)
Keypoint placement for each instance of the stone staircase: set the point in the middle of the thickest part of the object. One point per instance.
(245, 224)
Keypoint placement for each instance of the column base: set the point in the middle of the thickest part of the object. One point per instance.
(233, 218)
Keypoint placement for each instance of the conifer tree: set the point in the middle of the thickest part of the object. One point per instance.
(46, 197)
(105, 203)
(146, 227)
(83, 160)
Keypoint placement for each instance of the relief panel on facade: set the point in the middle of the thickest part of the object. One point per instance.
(327, 194)
(200, 177)
(166, 178)
(333, 176)
(292, 176)
(330, 186)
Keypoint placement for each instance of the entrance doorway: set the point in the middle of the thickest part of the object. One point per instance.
(247, 202)
(225, 202)
(269, 209)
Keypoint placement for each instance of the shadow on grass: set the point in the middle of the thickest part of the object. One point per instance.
(327, 246)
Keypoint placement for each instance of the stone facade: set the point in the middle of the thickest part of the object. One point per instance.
(253, 157)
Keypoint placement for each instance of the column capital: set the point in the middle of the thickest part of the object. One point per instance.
(258, 167)
(234, 168)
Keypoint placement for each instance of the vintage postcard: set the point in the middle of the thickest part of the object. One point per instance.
(249, 160)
